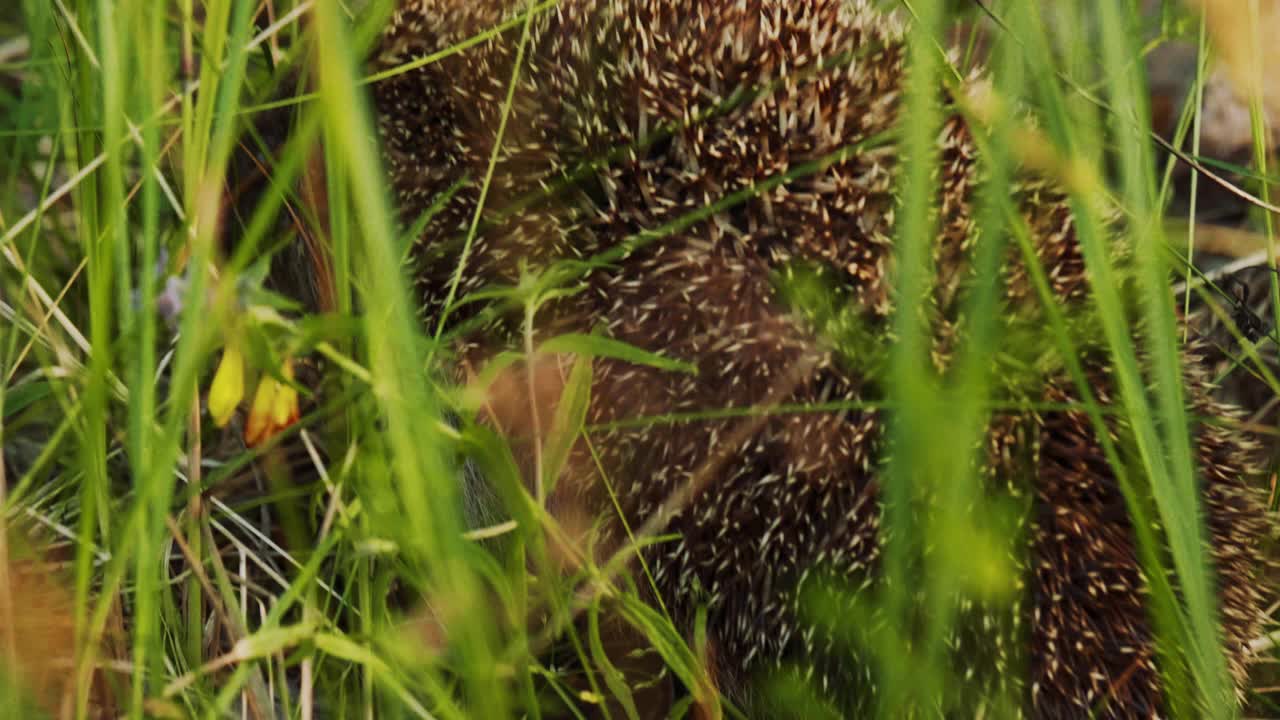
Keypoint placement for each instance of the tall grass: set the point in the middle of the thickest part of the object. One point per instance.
(331, 571)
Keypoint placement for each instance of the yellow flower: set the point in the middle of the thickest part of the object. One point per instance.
(275, 407)
(227, 389)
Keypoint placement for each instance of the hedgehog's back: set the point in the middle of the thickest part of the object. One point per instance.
(712, 159)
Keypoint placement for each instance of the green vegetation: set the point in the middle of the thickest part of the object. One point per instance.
(330, 571)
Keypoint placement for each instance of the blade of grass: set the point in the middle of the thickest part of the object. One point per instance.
(424, 481)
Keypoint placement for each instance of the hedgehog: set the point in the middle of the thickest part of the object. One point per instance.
(628, 120)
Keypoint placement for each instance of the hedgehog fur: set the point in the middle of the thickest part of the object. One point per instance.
(692, 100)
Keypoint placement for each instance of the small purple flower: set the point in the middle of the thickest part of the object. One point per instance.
(169, 301)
